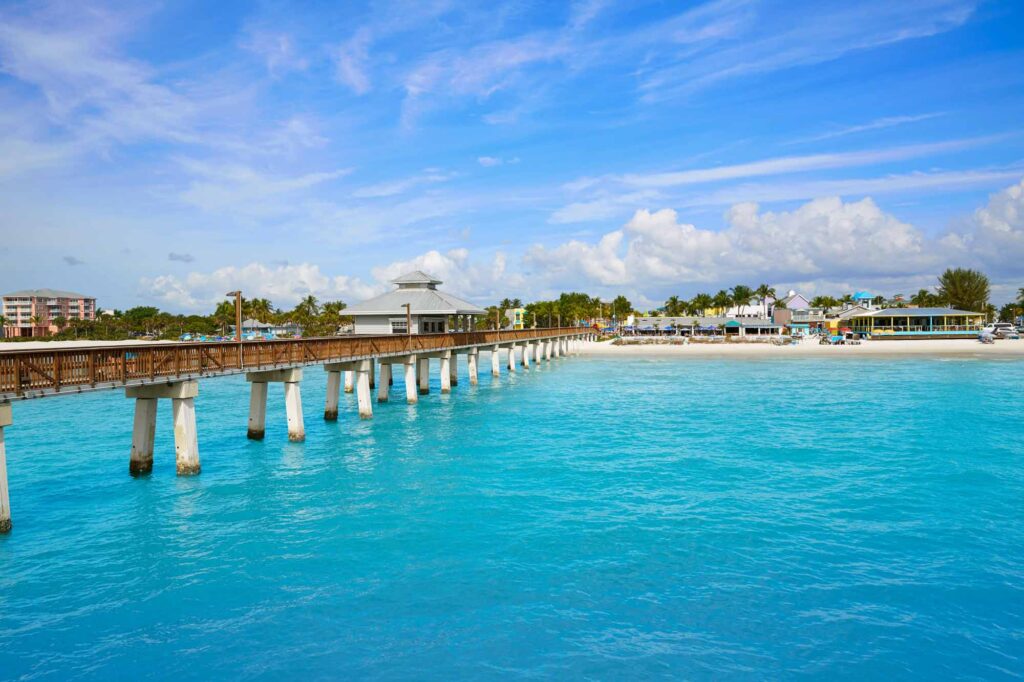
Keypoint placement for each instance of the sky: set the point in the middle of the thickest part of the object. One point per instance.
(164, 154)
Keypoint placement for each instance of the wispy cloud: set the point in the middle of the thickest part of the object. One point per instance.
(73, 260)
(877, 124)
(180, 257)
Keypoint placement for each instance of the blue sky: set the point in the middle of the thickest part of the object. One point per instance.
(166, 154)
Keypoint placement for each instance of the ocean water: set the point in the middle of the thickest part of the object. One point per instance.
(599, 519)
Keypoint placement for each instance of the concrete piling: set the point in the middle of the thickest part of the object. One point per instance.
(424, 375)
(140, 461)
(291, 379)
(5, 497)
(471, 365)
(363, 390)
(526, 356)
(411, 394)
(331, 400)
(349, 381)
(446, 372)
(182, 395)
(384, 386)
(512, 359)
(496, 361)
(453, 369)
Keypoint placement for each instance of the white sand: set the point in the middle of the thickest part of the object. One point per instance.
(58, 345)
(811, 348)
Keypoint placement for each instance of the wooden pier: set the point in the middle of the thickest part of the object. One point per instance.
(154, 371)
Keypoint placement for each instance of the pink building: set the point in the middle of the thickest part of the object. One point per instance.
(32, 312)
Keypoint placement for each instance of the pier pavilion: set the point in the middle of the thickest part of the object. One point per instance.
(917, 323)
(416, 301)
(151, 373)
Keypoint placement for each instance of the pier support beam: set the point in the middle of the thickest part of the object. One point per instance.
(496, 361)
(5, 497)
(373, 373)
(446, 371)
(526, 355)
(411, 394)
(385, 382)
(330, 402)
(424, 375)
(140, 461)
(363, 394)
(349, 381)
(453, 369)
(512, 359)
(471, 361)
(538, 353)
(292, 399)
(547, 349)
(186, 441)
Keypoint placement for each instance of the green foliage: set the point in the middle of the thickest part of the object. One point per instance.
(964, 289)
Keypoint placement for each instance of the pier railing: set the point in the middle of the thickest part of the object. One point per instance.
(36, 373)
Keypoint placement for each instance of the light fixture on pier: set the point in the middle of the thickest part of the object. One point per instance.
(238, 314)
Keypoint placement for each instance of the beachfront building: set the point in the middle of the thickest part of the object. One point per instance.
(795, 301)
(704, 326)
(35, 312)
(917, 323)
(252, 328)
(514, 318)
(430, 310)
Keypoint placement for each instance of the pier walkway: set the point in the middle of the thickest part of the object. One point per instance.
(150, 372)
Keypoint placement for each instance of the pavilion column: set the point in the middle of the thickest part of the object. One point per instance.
(496, 361)
(330, 402)
(512, 359)
(411, 395)
(453, 369)
(140, 461)
(349, 381)
(424, 375)
(471, 361)
(446, 376)
(385, 382)
(186, 441)
(363, 390)
(5, 497)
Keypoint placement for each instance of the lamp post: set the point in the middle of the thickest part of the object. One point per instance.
(408, 318)
(238, 314)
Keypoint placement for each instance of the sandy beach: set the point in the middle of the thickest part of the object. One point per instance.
(811, 348)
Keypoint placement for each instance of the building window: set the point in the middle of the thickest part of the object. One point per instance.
(399, 327)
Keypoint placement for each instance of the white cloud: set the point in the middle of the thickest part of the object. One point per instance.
(995, 233)
(822, 236)
(877, 124)
(284, 285)
(491, 161)
(479, 282)
(277, 50)
(351, 60)
(402, 185)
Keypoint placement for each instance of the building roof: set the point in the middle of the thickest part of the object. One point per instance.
(418, 289)
(789, 297)
(45, 293)
(665, 322)
(916, 312)
(862, 296)
(416, 277)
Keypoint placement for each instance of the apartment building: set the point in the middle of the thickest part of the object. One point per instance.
(33, 312)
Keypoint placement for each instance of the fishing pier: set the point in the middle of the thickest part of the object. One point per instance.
(149, 373)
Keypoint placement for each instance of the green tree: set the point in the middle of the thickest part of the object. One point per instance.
(964, 289)
(722, 300)
(700, 303)
(674, 306)
(621, 307)
(741, 295)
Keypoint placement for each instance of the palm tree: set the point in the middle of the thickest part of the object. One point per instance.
(764, 292)
(923, 298)
(700, 303)
(673, 306)
(722, 300)
(3, 326)
(1020, 295)
(964, 289)
(60, 322)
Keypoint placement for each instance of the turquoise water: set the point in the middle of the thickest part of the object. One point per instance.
(699, 518)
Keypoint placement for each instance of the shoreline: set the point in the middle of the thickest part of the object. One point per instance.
(955, 348)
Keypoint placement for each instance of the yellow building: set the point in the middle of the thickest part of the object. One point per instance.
(918, 323)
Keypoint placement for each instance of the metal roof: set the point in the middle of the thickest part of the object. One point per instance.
(916, 312)
(416, 277)
(45, 293)
(421, 301)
